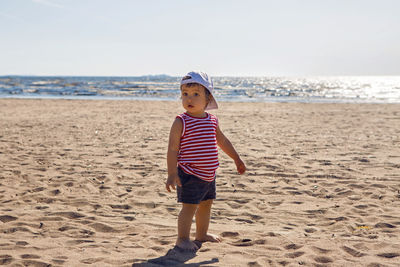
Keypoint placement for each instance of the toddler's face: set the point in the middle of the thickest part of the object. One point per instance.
(194, 98)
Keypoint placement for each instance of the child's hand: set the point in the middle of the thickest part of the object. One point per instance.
(172, 181)
(241, 168)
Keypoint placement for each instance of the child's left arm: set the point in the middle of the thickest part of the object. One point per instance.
(226, 145)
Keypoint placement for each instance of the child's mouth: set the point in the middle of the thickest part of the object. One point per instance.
(190, 106)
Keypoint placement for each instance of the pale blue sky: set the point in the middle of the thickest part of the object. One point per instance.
(221, 37)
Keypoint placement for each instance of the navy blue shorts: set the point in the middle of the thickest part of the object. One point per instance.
(194, 190)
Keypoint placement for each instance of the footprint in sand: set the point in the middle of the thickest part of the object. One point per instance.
(274, 204)
(253, 264)
(69, 184)
(389, 255)
(384, 225)
(374, 264)
(66, 228)
(55, 192)
(79, 241)
(7, 218)
(38, 189)
(16, 229)
(29, 256)
(295, 254)
(21, 243)
(248, 242)
(58, 262)
(323, 259)
(293, 246)
(6, 259)
(121, 207)
(321, 250)
(310, 230)
(35, 263)
(353, 252)
(129, 218)
(91, 260)
(69, 214)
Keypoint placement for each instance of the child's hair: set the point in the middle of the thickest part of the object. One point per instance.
(205, 89)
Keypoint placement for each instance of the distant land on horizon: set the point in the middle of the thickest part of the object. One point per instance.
(177, 76)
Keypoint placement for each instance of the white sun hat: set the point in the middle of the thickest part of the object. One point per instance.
(203, 79)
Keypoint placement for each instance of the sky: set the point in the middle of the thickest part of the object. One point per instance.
(220, 37)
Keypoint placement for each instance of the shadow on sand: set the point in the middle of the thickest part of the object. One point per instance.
(175, 257)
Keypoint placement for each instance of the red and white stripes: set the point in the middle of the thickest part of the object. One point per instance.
(198, 154)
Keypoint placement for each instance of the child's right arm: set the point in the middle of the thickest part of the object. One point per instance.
(172, 155)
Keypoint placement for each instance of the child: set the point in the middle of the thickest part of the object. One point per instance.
(193, 158)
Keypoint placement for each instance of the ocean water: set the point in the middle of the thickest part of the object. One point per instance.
(347, 89)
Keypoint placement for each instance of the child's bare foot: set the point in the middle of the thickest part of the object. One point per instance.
(186, 244)
(210, 238)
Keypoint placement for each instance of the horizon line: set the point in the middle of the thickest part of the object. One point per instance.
(178, 76)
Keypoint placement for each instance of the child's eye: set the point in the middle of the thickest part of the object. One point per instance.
(185, 94)
(196, 94)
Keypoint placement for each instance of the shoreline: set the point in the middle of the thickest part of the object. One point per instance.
(293, 100)
(82, 182)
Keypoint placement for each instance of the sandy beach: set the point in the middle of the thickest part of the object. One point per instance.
(82, 183)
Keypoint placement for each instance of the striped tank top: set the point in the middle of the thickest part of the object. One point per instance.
(198, 152)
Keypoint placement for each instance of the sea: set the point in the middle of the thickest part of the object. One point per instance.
(330, 89)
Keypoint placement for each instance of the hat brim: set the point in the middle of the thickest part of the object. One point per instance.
(212, 104)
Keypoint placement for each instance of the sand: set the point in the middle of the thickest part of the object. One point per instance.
(82, 183)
